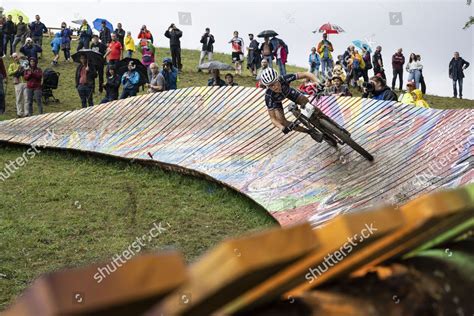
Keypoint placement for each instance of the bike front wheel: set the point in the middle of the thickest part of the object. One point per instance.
(339, 133)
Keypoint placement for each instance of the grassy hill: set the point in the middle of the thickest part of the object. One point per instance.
(64, 209)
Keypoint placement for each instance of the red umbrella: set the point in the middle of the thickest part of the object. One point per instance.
(329, 28)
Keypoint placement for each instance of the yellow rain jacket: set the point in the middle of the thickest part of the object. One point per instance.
(419, 101)
(129, 43)
(406, 98)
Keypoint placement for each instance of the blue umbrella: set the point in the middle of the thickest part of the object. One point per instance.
(361, 44)
(98, 24)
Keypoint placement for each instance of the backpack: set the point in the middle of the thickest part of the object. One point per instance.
(355, 64)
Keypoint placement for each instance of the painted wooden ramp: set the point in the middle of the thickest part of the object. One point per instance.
(225, 134)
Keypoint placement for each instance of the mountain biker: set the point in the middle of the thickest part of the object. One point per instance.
(278, 89)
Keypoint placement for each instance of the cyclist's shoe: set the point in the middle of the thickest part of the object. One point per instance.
(317, 136)
(289, 127)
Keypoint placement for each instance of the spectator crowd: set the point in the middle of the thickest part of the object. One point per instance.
(117, 66)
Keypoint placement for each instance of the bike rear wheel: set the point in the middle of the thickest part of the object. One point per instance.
(331, 128)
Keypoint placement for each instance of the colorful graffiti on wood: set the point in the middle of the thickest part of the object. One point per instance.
(225, 134)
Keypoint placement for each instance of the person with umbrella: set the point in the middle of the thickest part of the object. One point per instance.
(253, 58)
(266, 49)
(85, 35)
(66, 37)
(9, 35)
(325, 49)
(21, 31)
(100, 48)
(120, 32)
(130, 81)
(237, 52)
(85, 78)
(104, 33)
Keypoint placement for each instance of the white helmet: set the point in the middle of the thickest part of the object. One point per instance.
(268, 76)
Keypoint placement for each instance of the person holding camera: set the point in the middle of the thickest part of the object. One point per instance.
(130, 81)
(144, 36)
(207, 41)
(174, 34)
(377, 89)
(30, 49)
(16, 70)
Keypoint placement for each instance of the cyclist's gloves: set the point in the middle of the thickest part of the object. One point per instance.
(289, 128)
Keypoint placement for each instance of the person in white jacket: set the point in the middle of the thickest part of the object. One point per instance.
(414, 68)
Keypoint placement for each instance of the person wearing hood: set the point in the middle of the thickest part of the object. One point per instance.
(377, 89)
(56, 47)
(408, 96)
(33, 77)
(419, 100)
(66, 38)
(30, 49)
(170, 73)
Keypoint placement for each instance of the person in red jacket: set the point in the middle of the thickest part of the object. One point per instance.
(145, 34)
(33, 77)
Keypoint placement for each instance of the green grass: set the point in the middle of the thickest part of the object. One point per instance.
(66, 210)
